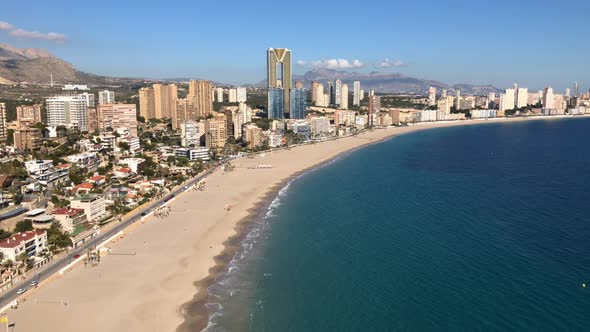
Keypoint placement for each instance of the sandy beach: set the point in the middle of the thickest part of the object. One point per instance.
(155, 269)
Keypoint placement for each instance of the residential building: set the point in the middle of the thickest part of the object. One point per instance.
(276, 103)
(191, 132)
(118, 116)
(431, 96)
(275, 139)
(92, 119)
(330, 92)
(201, 95)
(522, 97)
(457, 99)
(39, 218)
(134, 164)
(232, 95)
(89, 98)
(337, 93)
(319, 126)
(356, 93)
(164, 100)
(344, 118)
(242, 95)
(27, 138)
(344, 97)
(70, 111)
(374, 107)
(147, 106)
(40, 169)
(106, 97)
(70, 219)
(193, 154)
(444, 105)
(219, 95)
(483, 114)
(428, 115)
(252, 135)
(298, 97)
(548, 98)
(30, 243)
(3, 126)
(362, 95)
(216, 132)
(280, 57)
(28, 114)
(315, 92)
(92, 204)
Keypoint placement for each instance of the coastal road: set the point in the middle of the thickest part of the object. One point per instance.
(53, 267)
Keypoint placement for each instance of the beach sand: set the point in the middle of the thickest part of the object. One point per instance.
(154, 271)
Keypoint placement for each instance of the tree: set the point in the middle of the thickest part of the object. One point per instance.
(76, 174)
(10, 137)
(56, 238)
(23, 226)
(124, 146)
(4, 234)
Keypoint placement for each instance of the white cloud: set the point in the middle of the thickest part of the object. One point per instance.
(332, 64)
(21, 33)
(6, 26)
(390, 64)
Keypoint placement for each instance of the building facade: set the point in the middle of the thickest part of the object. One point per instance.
(69, 111)
(106, 97)
(298, 97)
(279, 83)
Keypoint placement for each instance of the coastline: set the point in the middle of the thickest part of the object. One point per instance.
(144, 293)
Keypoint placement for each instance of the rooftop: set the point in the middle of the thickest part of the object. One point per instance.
(67, 211)
(18, 238)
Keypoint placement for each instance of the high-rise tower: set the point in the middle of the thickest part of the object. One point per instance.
(279, 81)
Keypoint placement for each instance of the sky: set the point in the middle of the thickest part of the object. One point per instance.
(534, 43)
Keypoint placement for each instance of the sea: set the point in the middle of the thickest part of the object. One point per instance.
(469, 228)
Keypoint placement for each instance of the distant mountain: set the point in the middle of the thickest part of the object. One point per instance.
(37, 65)
(383, 82)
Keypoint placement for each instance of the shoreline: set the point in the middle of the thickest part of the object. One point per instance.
(194, 312)
(155, 288)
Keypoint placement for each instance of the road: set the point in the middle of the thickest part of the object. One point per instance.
(53, 267)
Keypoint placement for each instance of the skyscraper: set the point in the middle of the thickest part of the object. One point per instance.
(147, 107)
(242, 95)
(276, 103)
(118, 116)
(219, 95)
(200, 94)
(279, 78)
(522, 97)
(374, 107)
(298, 97)
(356, 93)
(29, 114)
(232, 95)
(106, 97)
(431, 96)
(344, 97)
(3, 129)
(338, 92)
(548, 98)
(576, 89)
(164, 100)
(457, 99)
(314, 91)
(330, 92)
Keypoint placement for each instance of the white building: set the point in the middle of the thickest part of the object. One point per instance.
(507, 100)
(219, 95)
(71, 111)
(84, 159)
(133, 163)
(191, 132)
(93, 206)
(344, 97)
(40, 169)
(193, 154)
(106, 97)
(522, 97)
(30, 243)
(431, 96)
(275, 139)
(356, 93)
(89, 97)
(242, 95)
(483, 114)
(133, 142)
(548, 98)
(338, 92)
(428, 115)
(74, 87)
(232, 95)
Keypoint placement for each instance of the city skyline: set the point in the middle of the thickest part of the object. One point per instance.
(405, 45)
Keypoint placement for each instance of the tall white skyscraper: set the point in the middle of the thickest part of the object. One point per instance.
(71, 111)
(431, 96)
(548, 98)
(356, 92)
(242, 94)
(362, 96)
(344, 97)
(457, 99)
(338, 92)
(219, 95)
(89, 97)
(106, 97)
(232, 95)
(508, 103)
(522, 97)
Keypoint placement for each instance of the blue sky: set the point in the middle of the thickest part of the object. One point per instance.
(535, 43)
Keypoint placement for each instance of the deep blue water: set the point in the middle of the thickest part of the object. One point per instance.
(456, 229)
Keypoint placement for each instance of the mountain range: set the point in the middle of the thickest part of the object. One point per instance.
(385, 82)
(37, 66)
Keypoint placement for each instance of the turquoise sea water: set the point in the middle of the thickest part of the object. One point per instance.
(456, 229)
